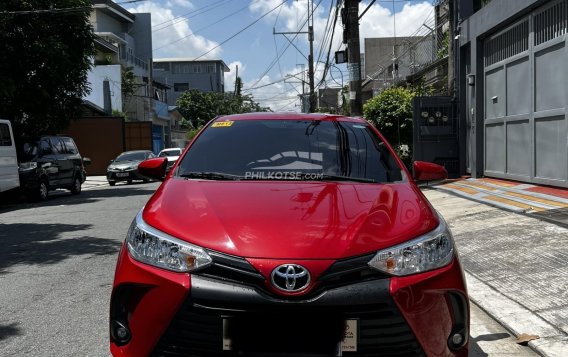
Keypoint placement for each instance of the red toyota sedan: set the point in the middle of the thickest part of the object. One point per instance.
(289, 235)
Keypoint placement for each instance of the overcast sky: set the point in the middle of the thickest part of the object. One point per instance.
(233, 31)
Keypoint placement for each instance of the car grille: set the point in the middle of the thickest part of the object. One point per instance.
(196, 331)
(239, 270)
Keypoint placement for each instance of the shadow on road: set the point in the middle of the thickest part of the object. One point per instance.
(474, 348)
(42, 244)
(63, 197)
(9, 330)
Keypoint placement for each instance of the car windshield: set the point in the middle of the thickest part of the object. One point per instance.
(170, 153)
(290, 150)
(131, 156)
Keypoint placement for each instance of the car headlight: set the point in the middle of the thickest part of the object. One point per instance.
(151, 246)
(26, 166)
(431, 251)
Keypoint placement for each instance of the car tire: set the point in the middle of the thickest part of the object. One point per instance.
(129, 182)
(112, 183)
(76, 188)
(145, 180)
(42, 190)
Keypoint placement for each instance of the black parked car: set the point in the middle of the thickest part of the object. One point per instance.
(125, 166)
(49, 163)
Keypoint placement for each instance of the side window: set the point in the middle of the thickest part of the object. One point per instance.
(5, 139)
(45, 147)
(57, 145)
(70, 147)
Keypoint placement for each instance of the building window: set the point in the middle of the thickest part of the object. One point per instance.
(210, 68)
(196, 68)
(181, 87)
(181, 68)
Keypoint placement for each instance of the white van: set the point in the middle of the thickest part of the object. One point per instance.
(9, 178)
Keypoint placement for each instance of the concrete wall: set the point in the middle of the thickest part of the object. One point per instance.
(96, 76)
(104, 23)
(142, 30)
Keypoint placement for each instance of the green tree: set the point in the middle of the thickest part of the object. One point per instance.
(391, 112)
(45, 55)
(200, 107)
(128, 82)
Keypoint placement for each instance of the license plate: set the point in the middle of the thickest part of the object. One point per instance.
(349, 343)
(227, 341)
(122, 174)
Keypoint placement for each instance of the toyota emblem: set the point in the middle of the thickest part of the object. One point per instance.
(290, 277)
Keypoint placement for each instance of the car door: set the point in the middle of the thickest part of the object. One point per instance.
(65, 166)
(73, 156)
(47, 160)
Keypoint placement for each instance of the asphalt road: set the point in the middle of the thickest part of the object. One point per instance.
(57, 262)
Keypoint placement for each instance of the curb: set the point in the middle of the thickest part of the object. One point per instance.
(517, 318)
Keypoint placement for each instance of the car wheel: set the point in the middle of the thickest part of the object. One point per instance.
(42, 190)
(129, 182)
(76, 188)
(112, 183)
(145, 180)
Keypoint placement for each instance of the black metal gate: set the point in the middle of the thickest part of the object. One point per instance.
(435, 132)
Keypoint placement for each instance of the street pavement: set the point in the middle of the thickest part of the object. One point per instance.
(57, 264)
(516, 266)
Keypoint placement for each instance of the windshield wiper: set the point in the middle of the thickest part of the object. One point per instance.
(210, 175)
(346, 178)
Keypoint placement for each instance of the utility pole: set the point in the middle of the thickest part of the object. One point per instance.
(310, 33)
(353, 56)
(311, 56)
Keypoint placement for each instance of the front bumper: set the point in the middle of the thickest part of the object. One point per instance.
(124, 175)
(180, 314)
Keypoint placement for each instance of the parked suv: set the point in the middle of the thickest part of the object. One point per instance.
(50, 163)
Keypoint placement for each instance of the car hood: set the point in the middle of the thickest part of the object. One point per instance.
(290, 219)
(123, 165)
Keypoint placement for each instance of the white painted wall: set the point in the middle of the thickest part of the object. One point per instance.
(97, 75)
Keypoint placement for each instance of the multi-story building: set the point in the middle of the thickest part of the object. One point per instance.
(124, 44)
(513, 88)
(387, 62)
(184, 74)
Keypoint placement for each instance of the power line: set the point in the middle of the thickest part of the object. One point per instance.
(201, 29)
(241, 30)
(283, 51)
(185, 17)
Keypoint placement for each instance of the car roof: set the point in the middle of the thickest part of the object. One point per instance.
(288, 116)
(133, 151)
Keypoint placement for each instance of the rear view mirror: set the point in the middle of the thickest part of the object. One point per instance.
(154, 168)
(427, 171)
(86, 161)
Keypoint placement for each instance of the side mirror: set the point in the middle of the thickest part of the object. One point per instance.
(427, 171)
(153, 168)
(86, 161)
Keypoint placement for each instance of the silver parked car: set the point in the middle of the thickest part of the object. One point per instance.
(125, 166)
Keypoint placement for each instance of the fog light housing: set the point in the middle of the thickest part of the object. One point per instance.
(120, 332)
(457, 339)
